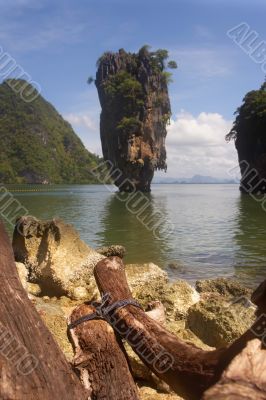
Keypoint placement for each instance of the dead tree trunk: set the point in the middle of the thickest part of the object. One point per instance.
(245, 378)
(101, 359)
(32, 367)
(187, 369)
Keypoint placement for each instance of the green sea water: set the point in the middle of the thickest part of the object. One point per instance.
(209, 230)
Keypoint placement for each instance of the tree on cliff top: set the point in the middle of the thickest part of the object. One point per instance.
(249, 133)
(250, 116)
(156, 58)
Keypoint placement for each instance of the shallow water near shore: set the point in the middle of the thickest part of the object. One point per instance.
(209, 230)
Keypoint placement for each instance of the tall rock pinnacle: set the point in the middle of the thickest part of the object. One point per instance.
(249, 134)
(133, 92)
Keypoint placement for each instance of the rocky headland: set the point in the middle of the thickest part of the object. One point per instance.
(133, 93)
(56, 269)
(248, 133)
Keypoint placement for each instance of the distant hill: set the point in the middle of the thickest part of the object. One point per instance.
(196, 179)
(38, 145)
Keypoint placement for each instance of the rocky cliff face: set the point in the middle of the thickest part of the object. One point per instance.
(133, 92)
(249, 134)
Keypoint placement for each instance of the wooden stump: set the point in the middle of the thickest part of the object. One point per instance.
(32, 367)
(101, 359)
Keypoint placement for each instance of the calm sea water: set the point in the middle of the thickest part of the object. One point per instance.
(215, 231)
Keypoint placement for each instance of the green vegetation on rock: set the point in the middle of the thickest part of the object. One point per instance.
(249, 134)
(38, 145)
(133, 92)
(125, 86)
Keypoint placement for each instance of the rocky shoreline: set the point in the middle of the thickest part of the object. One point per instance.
(56, 269)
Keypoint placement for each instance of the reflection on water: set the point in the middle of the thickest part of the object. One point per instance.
(216, 230)
(123, 223)
(250, 241)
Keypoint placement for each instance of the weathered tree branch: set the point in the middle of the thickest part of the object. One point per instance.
(187, 369)
(101, 359)
(176, 362)
(245, 378)
(32, 367)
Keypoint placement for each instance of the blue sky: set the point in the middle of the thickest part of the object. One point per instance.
(58, 42)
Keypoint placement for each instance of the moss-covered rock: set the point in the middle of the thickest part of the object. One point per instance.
(223, 286)
(151, 283)
(148, 393)
(180, 329)
(112, 251)
(145, 281)
(31, 288)
(56, 321)
(218, 322)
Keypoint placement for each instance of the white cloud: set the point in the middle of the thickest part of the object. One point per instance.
(196, 145)
(87, 127)
(204, 63)
(81, 120)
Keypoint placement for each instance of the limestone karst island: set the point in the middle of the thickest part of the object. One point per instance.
(133, 92)
(132, 200)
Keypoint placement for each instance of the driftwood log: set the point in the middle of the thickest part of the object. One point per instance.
(100, 359)
(32, 367)
(188, 370)
(245, 378)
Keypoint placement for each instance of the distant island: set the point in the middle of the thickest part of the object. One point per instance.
(196, 179)
(37, 145)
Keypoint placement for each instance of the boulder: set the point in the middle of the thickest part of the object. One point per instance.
(156, 311)
(218, 322)
(184, 296)
(32, 288)
(223, 286)
(147, 393)
(148, 282)
(111, 251)
(62, 264)
(139, 275)
(55, 318)
(56, 258)
(180, 329)
(23, 274)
